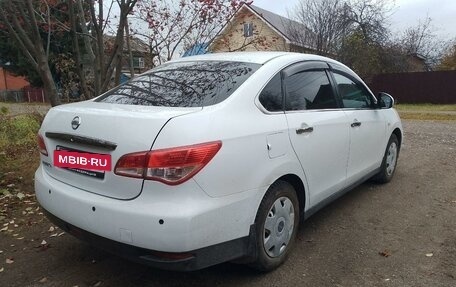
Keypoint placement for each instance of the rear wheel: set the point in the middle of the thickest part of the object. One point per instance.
(389, 161)
(277, 222)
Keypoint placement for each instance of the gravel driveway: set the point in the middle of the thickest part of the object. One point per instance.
(399, 234)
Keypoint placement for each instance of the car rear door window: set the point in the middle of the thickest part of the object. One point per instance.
(309, 90)
(353, 95)
(271, 97)
(183, 84)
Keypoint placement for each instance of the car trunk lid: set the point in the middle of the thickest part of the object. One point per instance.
(102, 128)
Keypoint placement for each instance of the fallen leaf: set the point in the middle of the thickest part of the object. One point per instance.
(1, 269)
(429, 254)
(43, 242)
(28, 209)
(61, 233)
(11, 222)
(4, 229)
(43, 280)
(385, 253)
(51, 229)
(20, 238)
(54, 235)
(9, 261)
(97, 284)
(20, 195)
(1, 251)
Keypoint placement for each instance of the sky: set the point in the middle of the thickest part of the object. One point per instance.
(406, 13)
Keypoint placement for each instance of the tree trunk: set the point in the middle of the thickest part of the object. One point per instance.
(130, 53)
(50, 90)
(79, 66)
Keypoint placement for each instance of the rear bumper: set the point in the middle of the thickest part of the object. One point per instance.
(173, 220)
(188, 261)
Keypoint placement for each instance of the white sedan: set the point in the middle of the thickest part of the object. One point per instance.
(213, 158)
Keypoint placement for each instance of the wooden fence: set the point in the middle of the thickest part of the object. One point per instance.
(437, 87)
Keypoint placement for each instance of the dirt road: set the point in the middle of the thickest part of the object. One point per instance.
(399, 234)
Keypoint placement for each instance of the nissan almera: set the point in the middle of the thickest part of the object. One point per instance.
(214, 158)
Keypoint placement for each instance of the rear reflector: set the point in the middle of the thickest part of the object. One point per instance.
(42, 145)
(168, 256)
(171, 166)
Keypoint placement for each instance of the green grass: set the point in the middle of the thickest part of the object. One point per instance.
(19, 131)
(427, 112)
(19, 156)
(427, 116)
(426, 107)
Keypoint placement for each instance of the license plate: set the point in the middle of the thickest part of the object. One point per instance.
(85, 163)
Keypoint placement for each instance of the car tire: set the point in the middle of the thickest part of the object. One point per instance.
(389, 162)
(276, 224)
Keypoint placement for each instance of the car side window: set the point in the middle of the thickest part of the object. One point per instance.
(271, 96)
(353, 95)
(309, 90)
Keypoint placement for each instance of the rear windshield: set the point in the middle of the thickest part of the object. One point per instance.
(186, 84)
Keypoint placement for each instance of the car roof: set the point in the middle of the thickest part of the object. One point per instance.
(250, 57)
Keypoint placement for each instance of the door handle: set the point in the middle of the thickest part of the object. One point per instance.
(304, 130)
(355, 124)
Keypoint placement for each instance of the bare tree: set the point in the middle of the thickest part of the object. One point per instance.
(366, 47)
(26, 22)
(320, 24)
(371, 18)
(104, 55)
(181, 24)
(423, 41)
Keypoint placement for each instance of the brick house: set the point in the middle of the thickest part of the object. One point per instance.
(252, 28)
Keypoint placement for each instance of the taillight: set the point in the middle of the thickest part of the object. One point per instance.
(171, 166)
(42, 145)
(132, 164)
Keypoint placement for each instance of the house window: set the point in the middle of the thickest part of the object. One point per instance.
(248, 30)
(138, 62)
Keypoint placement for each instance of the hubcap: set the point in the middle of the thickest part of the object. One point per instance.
(278, 227)
(391, 159)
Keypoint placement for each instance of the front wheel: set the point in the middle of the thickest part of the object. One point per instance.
(276, 223)
(389, 161)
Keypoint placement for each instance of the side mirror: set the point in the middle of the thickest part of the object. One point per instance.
(385, 101)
